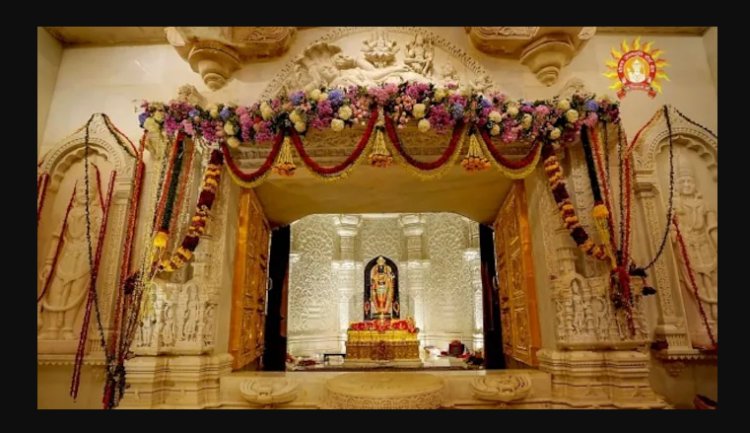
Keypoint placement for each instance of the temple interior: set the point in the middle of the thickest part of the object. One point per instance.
(377, 218)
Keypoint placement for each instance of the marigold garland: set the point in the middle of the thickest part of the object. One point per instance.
(285, 164)
(513, 169)
(553, 170)
(475, 159)
(197, 227)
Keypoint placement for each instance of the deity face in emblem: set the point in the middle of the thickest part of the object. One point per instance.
(636, 71)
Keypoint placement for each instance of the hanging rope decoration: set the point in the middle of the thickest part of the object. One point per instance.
(475, 160)
(693, 284)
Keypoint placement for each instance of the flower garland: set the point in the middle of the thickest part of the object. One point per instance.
(432, 169)
(168, 192)
(475, 159)
(251, 180)
(691, 277)
(514, 169)
(567, 211)
(432, 107)
(197, 227)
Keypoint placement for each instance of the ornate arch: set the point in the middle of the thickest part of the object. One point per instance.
(282, 77)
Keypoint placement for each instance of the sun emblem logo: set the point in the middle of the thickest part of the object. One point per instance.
(636, 68)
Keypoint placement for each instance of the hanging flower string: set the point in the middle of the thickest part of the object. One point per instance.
(560, 193)
(693, 284)
(514, 169)
(255, 178)
(197, 227)
(285, 164)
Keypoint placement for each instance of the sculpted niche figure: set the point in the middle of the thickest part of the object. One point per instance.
(699, 230)
(70, 278)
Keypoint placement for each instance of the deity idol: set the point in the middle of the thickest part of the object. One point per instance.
(382, 281)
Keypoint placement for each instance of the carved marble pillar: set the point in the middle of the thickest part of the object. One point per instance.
(416, 263)
(347, 229)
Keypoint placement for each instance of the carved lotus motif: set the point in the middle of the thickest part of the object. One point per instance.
(502, 387)
(268, 390)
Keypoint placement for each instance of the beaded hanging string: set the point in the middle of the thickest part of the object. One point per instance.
(93, 266)
(122, 303)
(169, 191)
(693, 284)
(670, 208)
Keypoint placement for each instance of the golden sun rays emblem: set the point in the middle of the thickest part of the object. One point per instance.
(636, 68)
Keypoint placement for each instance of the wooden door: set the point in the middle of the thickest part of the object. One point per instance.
(515, 270)
(247, 326)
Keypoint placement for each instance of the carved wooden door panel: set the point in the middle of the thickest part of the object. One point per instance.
(515, 270)
(246, 340)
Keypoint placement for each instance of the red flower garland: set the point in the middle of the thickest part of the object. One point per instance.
(458, 131)
(257, 174)
(338, 168)
(691, 276)
(41, 194)
(77, 366)
(506, 162)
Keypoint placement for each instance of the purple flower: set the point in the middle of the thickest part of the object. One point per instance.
(142, 118)
(171, 125)
(542, 110)
(527, 108)
(325, 109)
(457, 111)
(297, 97)
(440, 119)
(225, 113)
(592, 105)
(194, 113)
(336, 96)
(591, 120)
(208, 131)
(486, 103)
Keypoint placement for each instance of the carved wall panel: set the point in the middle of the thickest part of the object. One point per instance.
(60, 311)
(515, 270)
(313, 306)
(247, 324)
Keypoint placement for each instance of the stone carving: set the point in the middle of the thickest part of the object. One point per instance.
(69, 281)
(504, 387)
(188, 93)
(383, 49)
(267, 391)
(324, 65)
(419, 55)
(190, 320)
(169, 326)
(699, 228)
(384, 391)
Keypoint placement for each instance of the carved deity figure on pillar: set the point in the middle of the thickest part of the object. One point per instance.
(381, 290)
(67, 271)
(699, 229)
(419, 54)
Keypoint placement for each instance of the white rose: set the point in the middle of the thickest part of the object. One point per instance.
(418, 110)
(315, 94)
(439, 94)
(571, 115)
(300, 126)
(345, 112)
(555, 133)
(563, 104)
(266, 111)
(229, 128)
(512, 110)
(323, 96)
(295, 117)
(337, 125)
(159, 116)
(495, 129)
(526, 121)
(151, 125)
(233, 142)
(495, 116)
(424, 125)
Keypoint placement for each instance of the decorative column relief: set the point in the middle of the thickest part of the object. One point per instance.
(345, 271)
(413, 226)
(473, 261)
